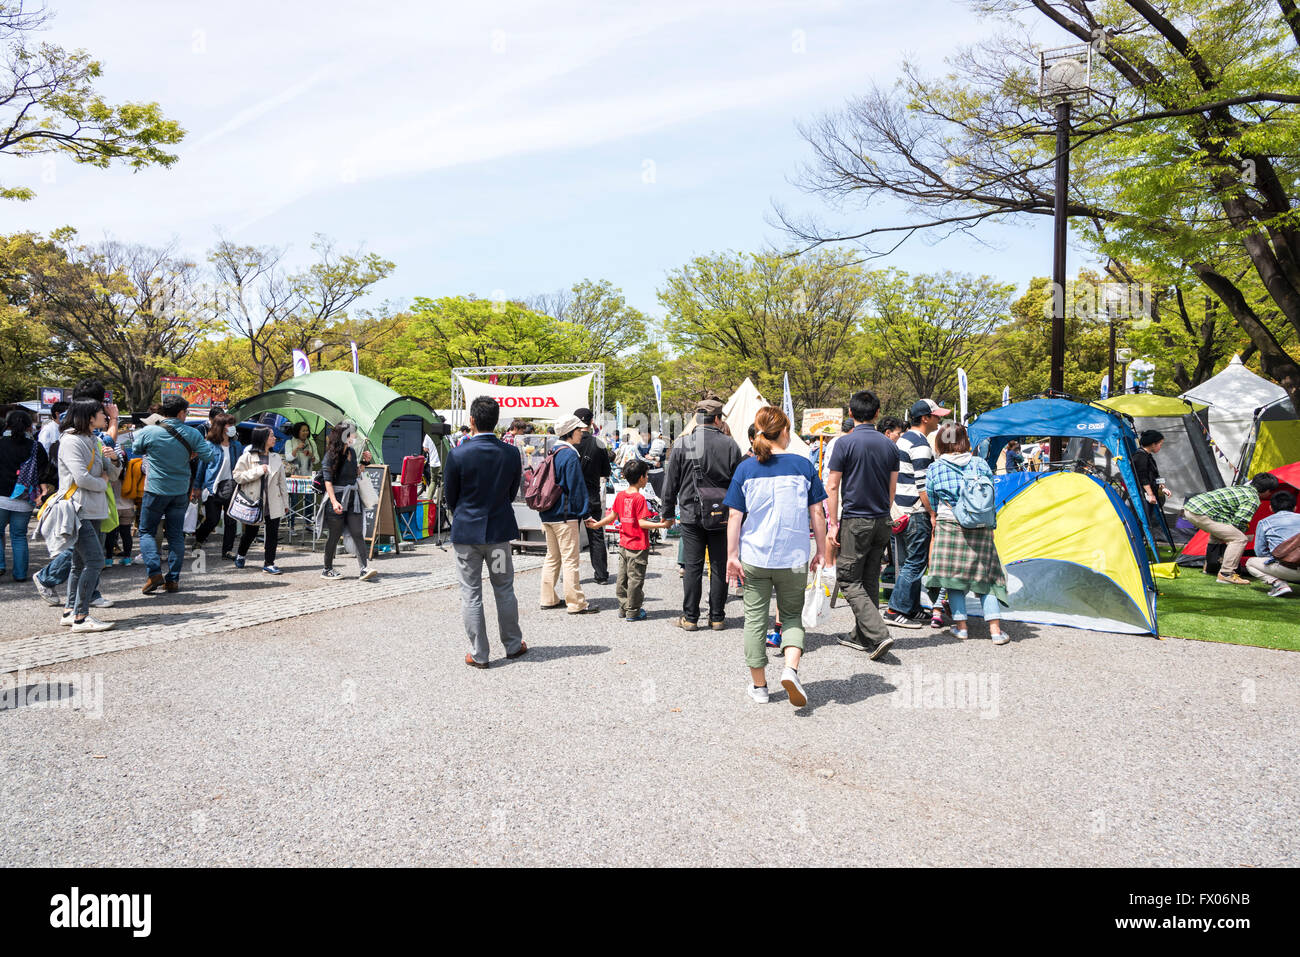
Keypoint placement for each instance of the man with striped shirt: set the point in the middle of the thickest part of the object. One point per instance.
(914, 457)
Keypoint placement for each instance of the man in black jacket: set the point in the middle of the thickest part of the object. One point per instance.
(700, 467)
(594, 455)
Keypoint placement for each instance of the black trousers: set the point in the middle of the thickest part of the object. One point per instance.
(214, 510)
(596, 541)
(695, 539)
(337, 525)
(250, 533)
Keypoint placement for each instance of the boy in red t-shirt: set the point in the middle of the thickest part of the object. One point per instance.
(633, 544)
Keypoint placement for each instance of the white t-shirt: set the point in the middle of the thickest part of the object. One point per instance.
(49, 434)
(431, 453)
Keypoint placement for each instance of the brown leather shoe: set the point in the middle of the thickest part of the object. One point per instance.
(171, 586)
(469, 660)
(685, 625)
(718, 625)
(558, 604)
(152, 584)
(523, 650)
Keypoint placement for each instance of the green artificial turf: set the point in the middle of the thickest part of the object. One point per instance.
(1194, 605)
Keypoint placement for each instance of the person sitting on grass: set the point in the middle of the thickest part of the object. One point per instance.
(1271, 532)
(1223, 513)
(633, 543)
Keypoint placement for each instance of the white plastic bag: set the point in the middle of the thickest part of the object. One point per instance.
(191, 518)
(816, 600)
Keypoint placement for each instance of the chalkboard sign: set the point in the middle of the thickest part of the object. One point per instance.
(382, 519)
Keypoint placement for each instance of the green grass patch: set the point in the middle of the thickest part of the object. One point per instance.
(1194, 605)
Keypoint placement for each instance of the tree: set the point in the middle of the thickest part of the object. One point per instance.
(130, 312)
(1186, 161)
(276, 312)
(48, 105)
(928, 326)
(766, 314)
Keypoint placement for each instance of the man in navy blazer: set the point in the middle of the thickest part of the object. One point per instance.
(480, 482)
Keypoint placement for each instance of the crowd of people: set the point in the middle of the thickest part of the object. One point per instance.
(760, 521)
(906, 498)
(89, 478)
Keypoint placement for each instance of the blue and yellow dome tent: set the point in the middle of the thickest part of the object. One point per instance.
(1074, 552)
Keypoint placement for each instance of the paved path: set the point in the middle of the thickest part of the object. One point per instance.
(355, 735)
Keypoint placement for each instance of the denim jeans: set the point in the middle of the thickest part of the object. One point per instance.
(16, 523)
(59, 569)
(87, 563)
(156, 508)
(906, 598)
(988, 602)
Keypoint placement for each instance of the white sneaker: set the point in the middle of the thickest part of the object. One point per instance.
(67, 618)
(101, 602)
(790, 682)
(368, 574)
(1279, 590)
(48, 594)
(91, 624)
(758, 694)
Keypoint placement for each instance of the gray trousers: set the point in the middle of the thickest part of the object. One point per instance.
(87, 563)
(857, 571)
(501, 572)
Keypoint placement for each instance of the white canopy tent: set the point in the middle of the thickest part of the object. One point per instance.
(740, 410)
(1233, 396)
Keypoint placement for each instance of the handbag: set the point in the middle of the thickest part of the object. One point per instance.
(244, 509)
(1288, 552)
(815, 601)
(366, 489)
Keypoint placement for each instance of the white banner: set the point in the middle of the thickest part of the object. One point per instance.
(961, 393)
(659, 399)
(787, 404)
(1006, 395)
(356, 365)
(300, 364)
(555, 400)
(1105, 386)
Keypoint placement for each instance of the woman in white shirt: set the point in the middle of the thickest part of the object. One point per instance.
(775, 501)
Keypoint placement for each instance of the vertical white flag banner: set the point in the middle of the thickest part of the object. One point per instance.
(1143, 374)
(356, 364)
(961, 393)
(1006, 395)
(300, 364)
(787, 404)
(659, 399)
(1105, 386)
(618, 419)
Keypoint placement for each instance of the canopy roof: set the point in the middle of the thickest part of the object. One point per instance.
(1148, 406)
(1036, 418)
(333, 396)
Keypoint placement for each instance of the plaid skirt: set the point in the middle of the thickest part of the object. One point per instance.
(965, 559)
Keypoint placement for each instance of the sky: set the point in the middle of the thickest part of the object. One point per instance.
(501, 149)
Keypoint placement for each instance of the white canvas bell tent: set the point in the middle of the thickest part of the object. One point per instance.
(1233, 396)
(740, 410)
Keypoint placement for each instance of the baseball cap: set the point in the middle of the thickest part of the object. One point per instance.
(584, 415)
(928, 407)
(566, 425)
(709, 407)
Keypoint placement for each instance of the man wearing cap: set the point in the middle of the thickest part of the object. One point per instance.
(698, 475)
(595, 469)
(562, 521)
(914, 457)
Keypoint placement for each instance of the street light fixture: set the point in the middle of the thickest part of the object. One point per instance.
(1064, 79)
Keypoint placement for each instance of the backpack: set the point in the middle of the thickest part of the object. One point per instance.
(541, 490)
(28, 478)
(976, 502)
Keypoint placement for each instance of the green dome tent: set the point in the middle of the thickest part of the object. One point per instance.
(323, 399)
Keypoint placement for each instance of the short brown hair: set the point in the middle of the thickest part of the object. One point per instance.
(951, 437)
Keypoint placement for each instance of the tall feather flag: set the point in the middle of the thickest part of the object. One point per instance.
(618, 419)
(356, 363)
(659, 399)
(1105, 386)
(961, 393)
(787, 404)
(1006, 395)
(300, 364)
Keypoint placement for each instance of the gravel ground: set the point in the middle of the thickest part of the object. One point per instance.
(357, 736)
